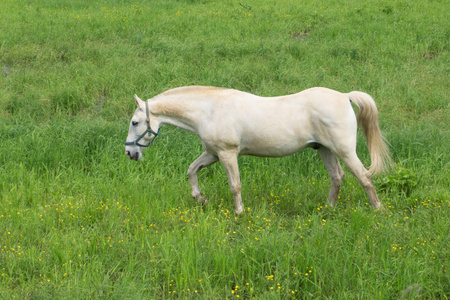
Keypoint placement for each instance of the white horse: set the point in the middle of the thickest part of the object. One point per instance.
(230, 123)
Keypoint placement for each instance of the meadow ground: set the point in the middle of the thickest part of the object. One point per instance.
(78, 219)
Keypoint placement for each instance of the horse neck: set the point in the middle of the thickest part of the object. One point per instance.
(177, 112)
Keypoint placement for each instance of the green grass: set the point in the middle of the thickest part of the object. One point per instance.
(78, 219)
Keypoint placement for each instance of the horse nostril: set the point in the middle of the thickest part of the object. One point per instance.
(128, 153)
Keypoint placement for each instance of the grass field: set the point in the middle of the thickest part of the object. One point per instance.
(78, 219)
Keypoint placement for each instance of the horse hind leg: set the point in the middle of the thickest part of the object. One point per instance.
(335, 171)
(364, 178)
(204, 160)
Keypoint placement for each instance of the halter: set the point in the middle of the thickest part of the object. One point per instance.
(148, 130)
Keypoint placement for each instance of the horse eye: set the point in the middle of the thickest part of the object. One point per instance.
(134, 123)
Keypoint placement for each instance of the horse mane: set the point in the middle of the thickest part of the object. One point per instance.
(190, 89)
(179, 108)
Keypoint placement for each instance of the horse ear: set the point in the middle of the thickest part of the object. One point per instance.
(139, 101)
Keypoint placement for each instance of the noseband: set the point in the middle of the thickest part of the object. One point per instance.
(148, 130)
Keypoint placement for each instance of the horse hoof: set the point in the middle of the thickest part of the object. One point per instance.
(379, 207)
(201, 200)
(239, 211)
(332, 204)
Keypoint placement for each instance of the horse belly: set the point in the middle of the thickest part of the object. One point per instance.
(273, 146)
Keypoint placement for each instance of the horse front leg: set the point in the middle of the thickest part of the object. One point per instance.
(230, 164)
(204, 160)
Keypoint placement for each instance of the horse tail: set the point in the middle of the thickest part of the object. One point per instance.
(367, 118)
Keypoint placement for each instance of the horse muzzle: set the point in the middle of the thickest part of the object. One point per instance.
(133, 156)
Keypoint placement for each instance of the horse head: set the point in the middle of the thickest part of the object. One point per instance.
(140, 134)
